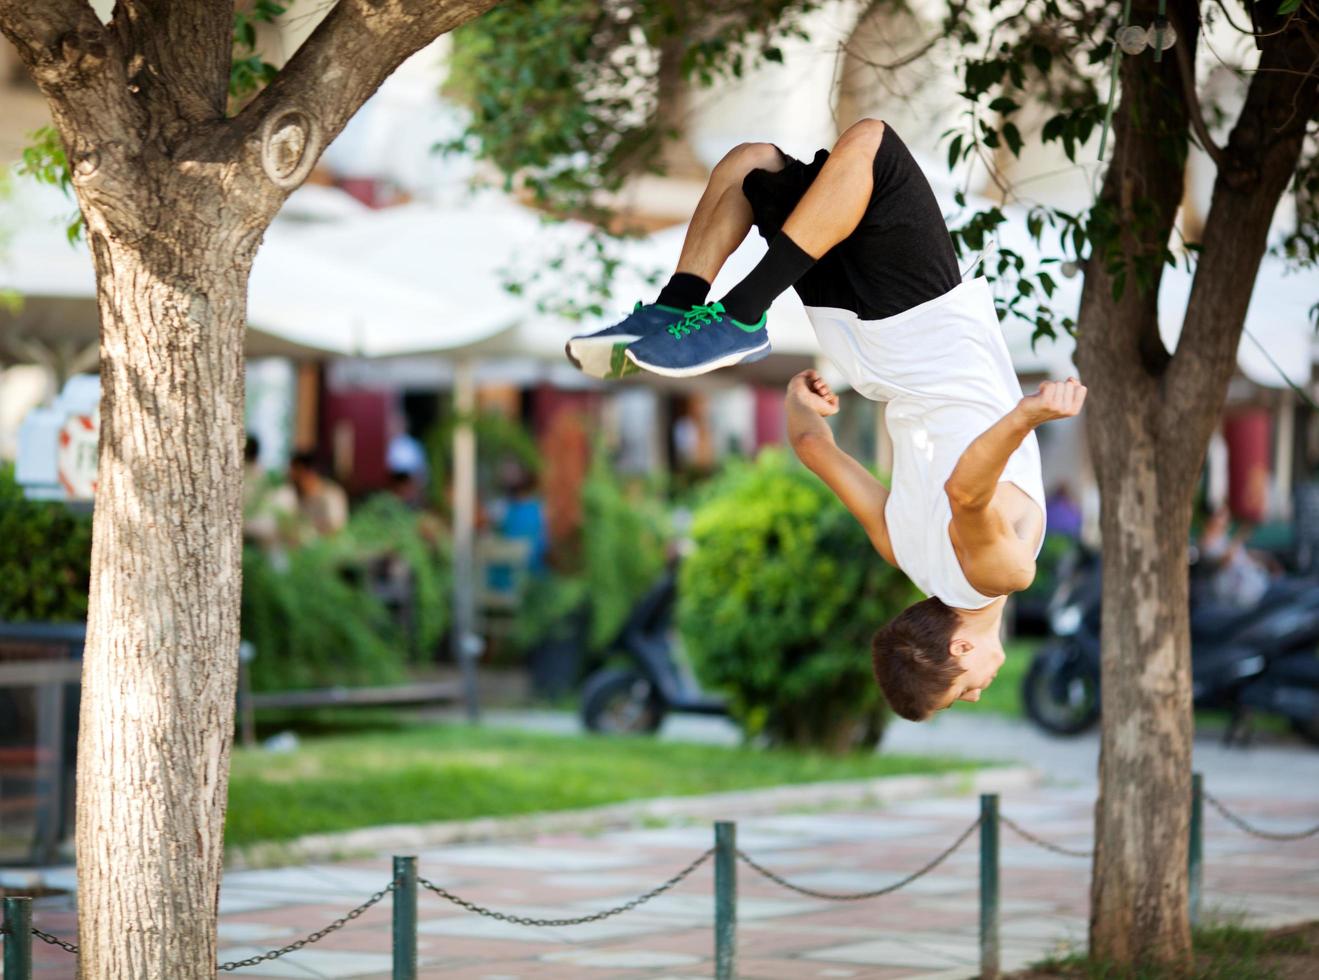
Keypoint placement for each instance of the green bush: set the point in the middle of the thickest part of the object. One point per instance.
(622, 550)
(778, 602)
(315, 624)
(625, 537)
(45, 557)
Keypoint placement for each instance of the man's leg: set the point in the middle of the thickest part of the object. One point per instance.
(836, 201)
(718, 226)
(723, 217)
(732, 331)
(828, 212)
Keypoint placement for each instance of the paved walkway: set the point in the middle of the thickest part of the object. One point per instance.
(927, 930)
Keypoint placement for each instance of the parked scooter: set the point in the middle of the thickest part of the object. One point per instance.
(1246, 661)
(635, 698)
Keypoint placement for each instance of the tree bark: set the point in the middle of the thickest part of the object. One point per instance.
(1149, 420)
(163, 619)
(175, 198)
(1138, 891)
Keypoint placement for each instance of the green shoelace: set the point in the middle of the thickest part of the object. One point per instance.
(695, 318)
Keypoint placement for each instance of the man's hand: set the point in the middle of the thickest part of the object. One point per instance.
(810, 391)
(1054, 400)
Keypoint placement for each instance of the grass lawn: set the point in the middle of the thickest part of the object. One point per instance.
(1222, 952)
(417, 774)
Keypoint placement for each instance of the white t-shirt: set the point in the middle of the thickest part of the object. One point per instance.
(945, 372)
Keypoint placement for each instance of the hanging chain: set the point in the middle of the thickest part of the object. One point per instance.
(317, 936)
(859, 896)
(1241, 824)
(46, 937)
(1025, 834)
(523, 920)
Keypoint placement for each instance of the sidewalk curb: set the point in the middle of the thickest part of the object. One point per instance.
(411, 838)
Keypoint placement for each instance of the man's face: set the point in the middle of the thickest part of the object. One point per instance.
(980, 663)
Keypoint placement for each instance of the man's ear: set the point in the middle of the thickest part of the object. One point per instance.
(959, 647)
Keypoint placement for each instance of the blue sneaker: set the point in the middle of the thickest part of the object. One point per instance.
(706, 339)
(601, 354)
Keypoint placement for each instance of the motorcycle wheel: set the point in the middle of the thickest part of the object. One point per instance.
(1061, 692)
(617, 701)
(1308, 730)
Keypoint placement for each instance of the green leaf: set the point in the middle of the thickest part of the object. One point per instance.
(1289, 7)
(1013, 138)
(1042, 58)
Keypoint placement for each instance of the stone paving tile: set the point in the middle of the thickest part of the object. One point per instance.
(329, 964)
(782, 935)
(615, 959)
(526, 858)
(485, 928)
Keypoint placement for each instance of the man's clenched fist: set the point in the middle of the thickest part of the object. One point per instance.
(1054, 400)
(810, 390)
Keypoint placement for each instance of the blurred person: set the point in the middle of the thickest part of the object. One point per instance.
(1062, 514)
(521, 513)
(270, 505)
(406, 487)
(1237, 577)
(322, 503)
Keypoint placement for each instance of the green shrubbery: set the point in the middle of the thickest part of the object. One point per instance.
(620, 555)
(315, 623)
(625, 534)
(45, 557)
(778, 604)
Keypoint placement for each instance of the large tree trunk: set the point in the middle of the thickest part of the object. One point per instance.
(1138, 892)
(1149, 421)
(161, 658)
(176, 196)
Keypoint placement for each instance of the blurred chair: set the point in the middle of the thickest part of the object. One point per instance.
(501, 577)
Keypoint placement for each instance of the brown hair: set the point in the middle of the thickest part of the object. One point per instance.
(912, 662)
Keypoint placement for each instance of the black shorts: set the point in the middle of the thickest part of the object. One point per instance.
(899, 256)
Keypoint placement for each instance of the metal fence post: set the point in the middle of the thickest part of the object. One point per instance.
(405, 918)
(725, 900)
(989, 886)
(1195, 848)
(18, 939)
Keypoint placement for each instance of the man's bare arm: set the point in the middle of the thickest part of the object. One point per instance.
(808, 403)
(999, 561)
(976, 476)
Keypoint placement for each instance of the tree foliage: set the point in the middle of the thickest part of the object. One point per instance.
(568, 97)
(564, 95)
(778, 601)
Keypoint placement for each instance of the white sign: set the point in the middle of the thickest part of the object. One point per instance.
(76, 457)
(57, 444)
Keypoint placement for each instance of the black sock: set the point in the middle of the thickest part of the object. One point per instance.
(683, 291)
(782, 266)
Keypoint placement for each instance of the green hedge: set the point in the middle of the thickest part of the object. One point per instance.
(45, 557)
(778, 603)
(314, 624)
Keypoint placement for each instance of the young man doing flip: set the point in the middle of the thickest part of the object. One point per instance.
(859, 235)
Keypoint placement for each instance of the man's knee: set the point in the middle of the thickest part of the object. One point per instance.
(746, 157)
(862, 137)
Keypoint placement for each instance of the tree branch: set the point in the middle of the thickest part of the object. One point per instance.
(79, 67)
(1186, 69)
(178, 56)
(1259, 161)
(35, 28)
(355, 48)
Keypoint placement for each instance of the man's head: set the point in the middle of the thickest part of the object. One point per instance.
(303, 472)
(929, 656)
